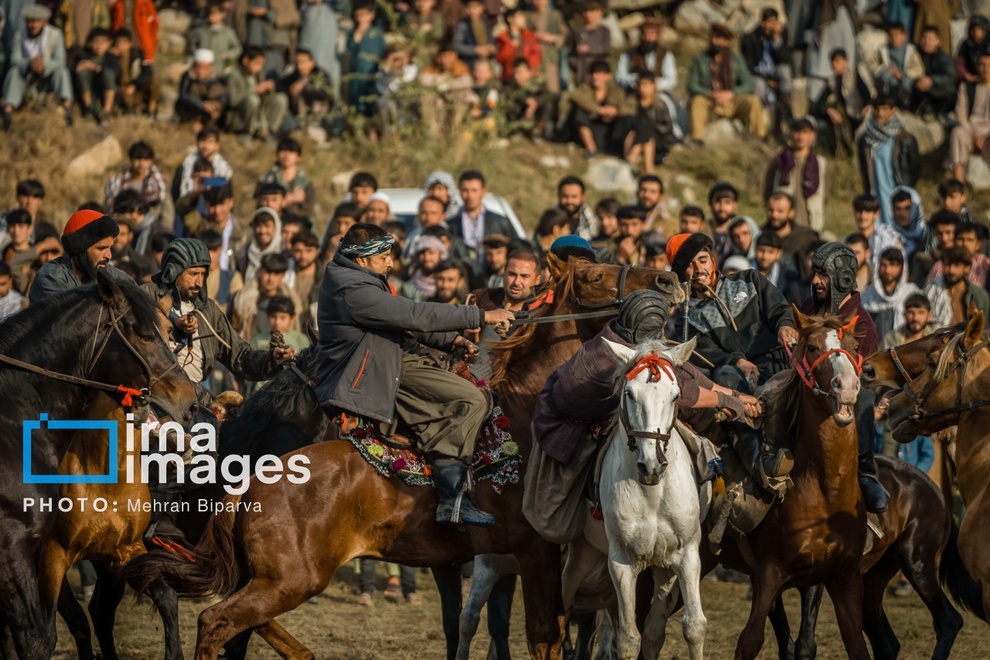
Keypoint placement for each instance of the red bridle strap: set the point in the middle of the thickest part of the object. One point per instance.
(656, 366)
(807, 371)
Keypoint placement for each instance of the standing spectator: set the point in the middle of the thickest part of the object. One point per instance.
(429, 214)
(137, 17)
(606, 210)
(692, 220)
(365, 52)
(22, 250)
(310, 90)
(896, 66)
(769, 250)
(719, 83)
(300, 197)
(11, 301)
(255, 108)
(888, 155)
(221, 283)
(266, 229)
(97, 73)
(306, 275)
(976, 44)
(741, 236)
(273, 26)
(973, 115)
(799, 171)
(632, 226)
(131, 205)
(473, 38)
(216, 37)
(967, 235)
(451, 288)
(142, 176)
(909, 220)
(723, 199)
(651, 59)
(935, 91)
(794, 239)
(219, 204)
(917, 322)
(839, 106)
(573, 201)
(951, 293)
(551, 31)
(860, 246)
(123, 255)
(941, 236)
(765, 51)
(866, 209)
(427, 253)
(249, 308)
(202, 94)
(598, 106)
(139, 86)
(516, 42)
(521, 272)
(886, 296)
(318, 36)
(476, 222)
(651, 130)
(589, 44)
(30, 195)
(37, 61)
(553, 223)
(952, 197)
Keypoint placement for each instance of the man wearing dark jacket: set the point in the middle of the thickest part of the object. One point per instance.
(368, 365)
(833, 291)
(935, 91)
(769, 59)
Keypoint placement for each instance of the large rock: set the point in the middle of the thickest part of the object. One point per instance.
(611, 174)
(868, 43)
(96, 160)
(172, 44)
(171, 21)
(695, 17)
(929, 134)
(799, 96)
(341, 181)
(173, 72)
(977, 173)
(722, 132)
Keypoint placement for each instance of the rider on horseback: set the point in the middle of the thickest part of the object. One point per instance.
(369, 363)
(742, 323)
(833, 291)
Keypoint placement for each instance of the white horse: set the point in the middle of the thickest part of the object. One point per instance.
(650, 504)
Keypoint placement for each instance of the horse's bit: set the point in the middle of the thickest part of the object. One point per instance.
(806, 371)
(960, 364)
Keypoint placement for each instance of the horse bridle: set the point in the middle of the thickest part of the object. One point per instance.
(892, 353)
(657, 367)
(131, 395)
(960, 364)
(597, 310)
(619, 299)
(806, 371)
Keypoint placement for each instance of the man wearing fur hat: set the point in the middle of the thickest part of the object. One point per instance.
(88, 240)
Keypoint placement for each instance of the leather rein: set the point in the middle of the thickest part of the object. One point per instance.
(960, 365)
(593, 311)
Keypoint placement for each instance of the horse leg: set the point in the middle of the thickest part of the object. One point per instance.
(107, 594)
(448, 579)
(921, 570)
(75, 619)
(284, 644)
(781, 630)
(663, 602)
(30, 630)
(486, 574)
(167, 604)
(846, 592)
(586, 623)
(499, 615)
(766, 587)
(539, 565)
(237, 647)
(694, 622)
(875, 622)
(624, 573)
(806, 648)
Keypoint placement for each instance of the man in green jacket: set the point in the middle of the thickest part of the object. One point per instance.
(719, 83)
(254, 107)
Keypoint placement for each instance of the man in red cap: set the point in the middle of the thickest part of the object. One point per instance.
(87, 239)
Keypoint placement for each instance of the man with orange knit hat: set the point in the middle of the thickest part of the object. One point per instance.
(87, 239)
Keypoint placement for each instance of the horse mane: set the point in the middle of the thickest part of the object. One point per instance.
(502, 354)
(947, 358)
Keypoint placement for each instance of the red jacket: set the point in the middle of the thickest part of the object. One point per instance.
(506, 55)
(145, 21)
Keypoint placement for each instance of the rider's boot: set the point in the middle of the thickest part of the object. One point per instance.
(449, 477)
(749, 448)
(874, 495)
(165, 496)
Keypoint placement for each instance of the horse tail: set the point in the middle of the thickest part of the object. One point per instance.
(209, 569)
(956, 579)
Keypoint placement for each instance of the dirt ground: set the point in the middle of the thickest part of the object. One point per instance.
(336, 628)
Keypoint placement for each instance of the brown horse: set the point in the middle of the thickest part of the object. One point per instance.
(953, 391)
(817, 533)
(346, 510)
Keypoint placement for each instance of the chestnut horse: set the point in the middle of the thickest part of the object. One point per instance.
(346, 510)
(953, 391)
(817, 533)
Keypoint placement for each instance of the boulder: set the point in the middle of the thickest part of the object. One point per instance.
(317, 134)
(173, 72)
(977, 173)
(722, 132)
(799, 96)
(96, 160)
(695, 18)
(868, 43)
(172, 44)
(341, 181)
(171, 21)
(929, 134)
(611, 174)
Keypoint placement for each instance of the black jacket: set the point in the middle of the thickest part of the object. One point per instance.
(907, 161)
(751, 46)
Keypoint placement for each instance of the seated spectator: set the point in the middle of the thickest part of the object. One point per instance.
(589, 43)
(219, 205)
(207, 148)
(193, 201)
(139, 86)
(516, 42)
(23, 250)
(952, 197)
(655, 253)
(222, 283)
(216, 36)
(309, 90)
(941, 236)
(123, 253)
(202, 94)
(424, 31)
(794, 239)
(769, 250)
(255, 108)
(769, 59)
(130, 204)
(281, 312)
(909, 220)
(484, 91)
(598, 107)
(11, 301)
(840, 106)
(719, 83)
(799, 171)
(860, 245)
(967, 235)
(650, 131)
(37, 62)
(888, 155)
(266, 238)
(472, 38)
(300, 198)
(551, 31)
(935, 91)
(652, 59)
(141, 176)
(451, 288)
(973, 115)
(692, 220)
(553, 223)
(496, 255)
(884, 298)
(96, 73)
(249, 308)
(976, 44)
(448, 94)
(632, 224)
(516, 286)
(866, 209)
(951, 293)
(527, 106)
(606, 211)
(917, 322)
(366, 51)
(896, 66)
(741, 235)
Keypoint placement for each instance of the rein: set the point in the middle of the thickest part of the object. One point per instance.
(806, 371)
(597, 310)
(960, 365)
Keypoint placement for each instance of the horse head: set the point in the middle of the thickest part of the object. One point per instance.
(587, 286)
(892, 368)
(935, 399)
(648, 401)
(826, 359)
(128, 349)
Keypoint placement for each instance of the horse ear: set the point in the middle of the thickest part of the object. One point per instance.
(800, 320)
(681, 353)
(109, 291)
(974, 329)
(972, 310)
(624, 353)
(557, 266)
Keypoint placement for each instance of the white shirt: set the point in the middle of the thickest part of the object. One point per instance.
(190, 357)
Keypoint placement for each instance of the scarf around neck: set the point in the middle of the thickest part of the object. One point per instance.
(876, 134)
(810, 177)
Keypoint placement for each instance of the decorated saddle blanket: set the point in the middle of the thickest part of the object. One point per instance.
(496, 456)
